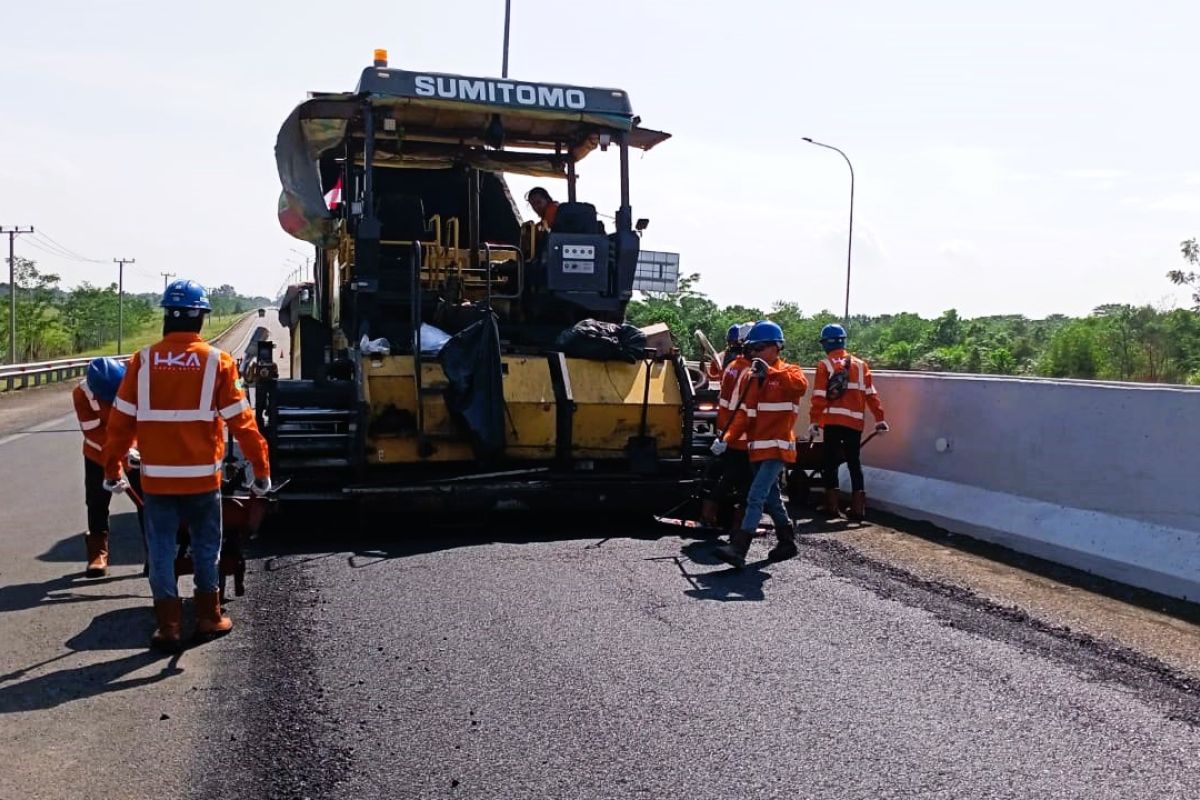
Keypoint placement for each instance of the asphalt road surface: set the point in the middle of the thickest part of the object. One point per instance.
(573, 658)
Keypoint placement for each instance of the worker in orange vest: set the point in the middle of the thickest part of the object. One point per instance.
(93, 399)
(733, 482)
(177, 396)
(545, 206)
(842, 394)
(772, 390)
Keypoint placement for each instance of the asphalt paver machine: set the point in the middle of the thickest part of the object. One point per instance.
(427, 358)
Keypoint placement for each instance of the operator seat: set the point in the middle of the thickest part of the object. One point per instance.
(576, 218)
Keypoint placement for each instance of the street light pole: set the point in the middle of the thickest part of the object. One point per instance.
(850, 235)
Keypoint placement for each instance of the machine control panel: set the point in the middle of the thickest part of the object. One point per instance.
(579, 259)
(577, 263)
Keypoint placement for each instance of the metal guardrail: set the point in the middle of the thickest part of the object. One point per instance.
(37, 373)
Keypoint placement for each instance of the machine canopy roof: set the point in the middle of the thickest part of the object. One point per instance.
(430, 120)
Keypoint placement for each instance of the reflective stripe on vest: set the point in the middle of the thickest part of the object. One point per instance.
(233, 409)
(89, 425)
(766, 444)
(180, 470)
(92, 444)
(844, 412)
(782, 406)
(203, 412)
(91, 398)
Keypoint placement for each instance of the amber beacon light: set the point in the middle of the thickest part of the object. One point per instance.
(380, 57)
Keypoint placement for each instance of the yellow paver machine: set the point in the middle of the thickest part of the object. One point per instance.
(447, 355)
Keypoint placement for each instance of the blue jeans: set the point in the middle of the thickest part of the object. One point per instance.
(202, 513)
(764, 494)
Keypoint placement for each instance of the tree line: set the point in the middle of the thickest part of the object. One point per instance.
(53, 322)
(1117, 342)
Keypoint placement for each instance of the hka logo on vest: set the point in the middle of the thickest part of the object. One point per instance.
(179, 360)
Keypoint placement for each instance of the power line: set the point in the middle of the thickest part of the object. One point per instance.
(13, 233)
(166, 276)
(54, 248)
(52, 241)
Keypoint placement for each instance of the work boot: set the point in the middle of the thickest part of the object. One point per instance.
(97, 554)
(829, 507)
(168, 637)
(210, 622)
(735, 552)
(858, 506)
(785, 547)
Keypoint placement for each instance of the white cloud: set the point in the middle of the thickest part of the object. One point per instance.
(958, 250)
(1181, 202)
(1095, 174)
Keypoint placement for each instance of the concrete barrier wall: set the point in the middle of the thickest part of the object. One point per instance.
(1104, 477)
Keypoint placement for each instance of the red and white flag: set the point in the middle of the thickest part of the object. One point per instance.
(333, 197)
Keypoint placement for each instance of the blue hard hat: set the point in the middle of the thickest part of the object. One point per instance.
(104, 376)
(833, 337)
(833, 331)
(186, 295)
(731, 335)
(765, 331)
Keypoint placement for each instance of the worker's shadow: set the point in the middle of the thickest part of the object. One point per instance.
(724, 585)
(125, 546)
(64, 589)
(122, 629)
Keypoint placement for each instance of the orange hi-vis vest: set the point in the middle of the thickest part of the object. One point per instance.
(768, 414)
(730, 399)
(849, 410)
(92, 413)
(176, 397)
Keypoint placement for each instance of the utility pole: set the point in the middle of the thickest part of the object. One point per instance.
(166, 277)
(121, 262)
(507, 18)
(13, 233)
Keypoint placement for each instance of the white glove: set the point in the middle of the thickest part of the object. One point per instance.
(260, 487)
(814, 432)
(134, 458)
(116, 487)
(882, 427)
(759, 368)
(718, 447)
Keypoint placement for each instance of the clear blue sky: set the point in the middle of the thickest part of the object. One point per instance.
(1025, 157)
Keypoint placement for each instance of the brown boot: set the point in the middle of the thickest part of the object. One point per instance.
(97, 554)
(829, 507)
(709, 511)
(168, 636)
(735, 552)
(210, 622)
(858, 506)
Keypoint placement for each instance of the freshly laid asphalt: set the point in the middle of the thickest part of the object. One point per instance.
(554, 658)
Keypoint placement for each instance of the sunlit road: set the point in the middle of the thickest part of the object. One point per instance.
(563, 658)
